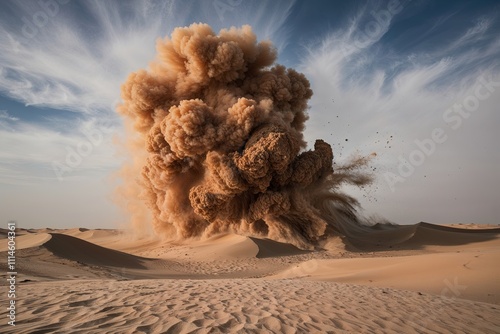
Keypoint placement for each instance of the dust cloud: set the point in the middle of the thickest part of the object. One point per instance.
(215, 129)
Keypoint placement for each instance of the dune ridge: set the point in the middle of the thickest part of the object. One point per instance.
(79, 250)
(420, 235)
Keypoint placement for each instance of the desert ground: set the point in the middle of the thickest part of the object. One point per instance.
(422, 278)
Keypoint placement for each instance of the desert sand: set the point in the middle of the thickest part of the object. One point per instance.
(422, 278)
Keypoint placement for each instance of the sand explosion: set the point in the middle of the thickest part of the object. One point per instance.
(222, 127)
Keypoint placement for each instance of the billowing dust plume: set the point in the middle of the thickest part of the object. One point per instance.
(222, 127)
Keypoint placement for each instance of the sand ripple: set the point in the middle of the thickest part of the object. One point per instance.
(241, 306)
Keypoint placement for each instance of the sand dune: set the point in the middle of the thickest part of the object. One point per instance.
(419, 278)
(419, 236)
(270, 248)
(79, 250)
(27, 241)
(469, 275)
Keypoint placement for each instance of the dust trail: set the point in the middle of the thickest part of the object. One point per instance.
(216, 132)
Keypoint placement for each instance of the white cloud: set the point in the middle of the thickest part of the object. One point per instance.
(385, 106)
(78, 65)
(30, 152)
(4, 116)
(64, 67)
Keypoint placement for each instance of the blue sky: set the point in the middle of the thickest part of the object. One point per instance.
(417, 82)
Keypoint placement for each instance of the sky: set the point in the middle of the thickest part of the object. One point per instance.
(416, 82)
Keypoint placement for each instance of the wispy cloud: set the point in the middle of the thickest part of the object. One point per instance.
(66, 66)
(4, 115)
(376, 99)
(32, 153)
(74, 57)
(76, 65)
